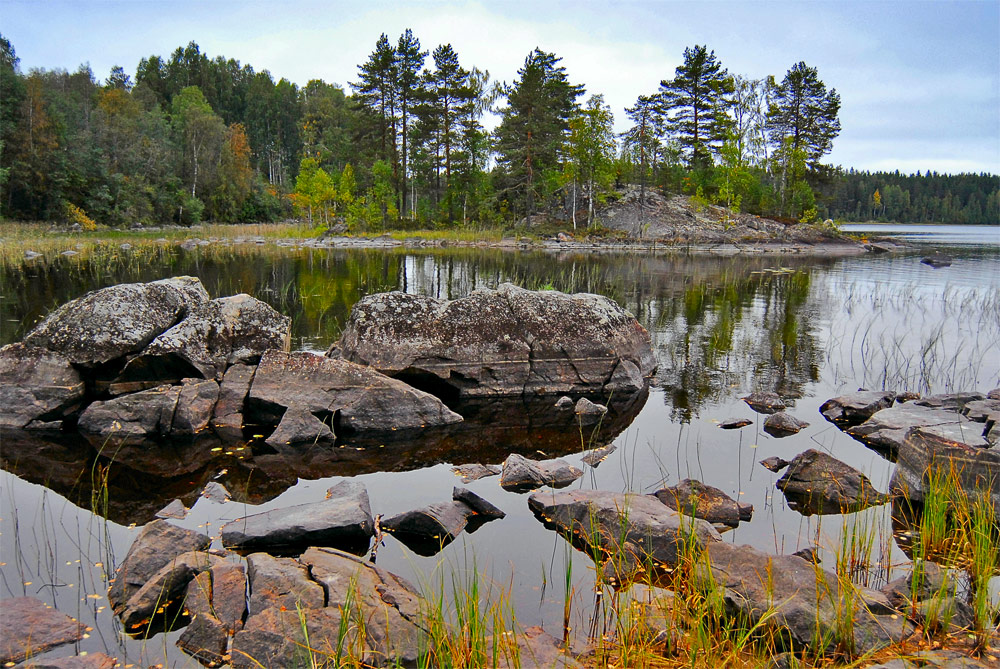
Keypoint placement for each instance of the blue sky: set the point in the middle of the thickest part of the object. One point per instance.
(919, 81)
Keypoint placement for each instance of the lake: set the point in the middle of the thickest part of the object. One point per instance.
(807, 327)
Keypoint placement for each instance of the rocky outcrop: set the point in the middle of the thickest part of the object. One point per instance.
(344, 519)
(356, 397)
(113, 322)
(606, 520)
(500, 342)
(819, 483)
(854, 408)
(521, 474)
(695, 499)
(37, 386)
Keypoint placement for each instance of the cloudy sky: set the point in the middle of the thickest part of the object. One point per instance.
(919, 80)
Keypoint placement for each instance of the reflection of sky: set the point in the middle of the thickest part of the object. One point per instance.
(939, 235)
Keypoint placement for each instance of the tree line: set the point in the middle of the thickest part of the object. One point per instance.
(192, 138)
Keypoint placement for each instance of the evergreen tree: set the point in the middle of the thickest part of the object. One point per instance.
(697, 100)
(376, 91)
(803, 110)
(532, 132)
(409, 61)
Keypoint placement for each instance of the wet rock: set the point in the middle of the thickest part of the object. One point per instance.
(735, 423)
(157, 544)
(596, 456)
(589, 412)
(507, 341)
(774, 463)
(359, 397)
(952, 401)
(233, 391)
(474, 472)
(886, 429)
(782, 424)
(36, 385)
(145, 413)
(216, 492)
(280, 583)
(274, 637)
(937, 261)
(765, 402)
(175, 509)
(164, 589)
(429, 529)
(299, 425)
(194, 406)
(112, 322)
(521, 474)
(856, 408)
(88, 661)
(205, 640)
(30, 627)
(694, 498)
(565, 403)
(819, 483)
(605, 519)
(480, 506)
(343, 519)
(803, 603)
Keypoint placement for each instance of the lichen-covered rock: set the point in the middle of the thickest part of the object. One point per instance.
(698, 500)
(499, 342)
(195, 404)
(214, 335)
(819, 483)
(118, 320)
(359, 398)
(36, 385)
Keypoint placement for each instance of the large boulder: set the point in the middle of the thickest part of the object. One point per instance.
(357, 397)
(806, 606)
(118, 320)
(607, 521)
(343, 519)
(855, 408)
(694, 498)
(36, 385)
(214, 335)
(499, 342)
(819, 483)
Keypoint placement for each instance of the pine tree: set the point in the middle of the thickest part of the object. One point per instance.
(804, 111)
(697, 100)
(409, 60)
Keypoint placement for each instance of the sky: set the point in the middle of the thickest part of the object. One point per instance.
(919, 81)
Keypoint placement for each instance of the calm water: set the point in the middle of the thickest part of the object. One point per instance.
(808, 328)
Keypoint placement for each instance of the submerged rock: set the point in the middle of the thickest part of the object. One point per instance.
(765, 402)
(694, 498)
(735, 423)
(596, 456)
(604, 520)
(782, 424)
(521, 474)
(30, 628)
(937, 260)
(774, 463)
(358, 398)
(856, 408)
(819, 483)
(343, 519)
(507, 341)
(36, 385)
(118, 320)
(474, 472)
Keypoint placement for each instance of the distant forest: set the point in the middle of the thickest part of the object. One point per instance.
(190, 138)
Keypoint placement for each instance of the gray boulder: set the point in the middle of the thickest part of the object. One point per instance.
(481, 507)
(233, 391)
(774, 463)
(782, 424)
(214, 335)
(886, 429)
(819, 483)
(695, 499)
(520, 474)
(855, 408)
(118, 320)
(507, 341)
(735, 423)
(195, 404)
(588, 412)
(157, 544)
(280, 583)
(299, 425)
(428, 529)
(165, 589)
(343, 519)
(475, 471)
(162, 411)
(765, 402)
(358, 397)
(803, 604)
(36, 385)
(604, 520)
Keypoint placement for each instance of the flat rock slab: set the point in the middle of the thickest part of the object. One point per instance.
(501, 342)
(855, 408)
(886, 429)
(298, 426)
(474, 472)
(735, 423)
(951, 401)
(89, 661)
(343, 519)
(819, 483)
(605, 519)
(175, 509)
(29, 627)
(482, 508)
(145, 413)
(521, 474)
(112, 322)
(359, 397)
(765, 402)
(802, 601)
(36, 385)
(436, 523)
(694, 498)
(782, 424)
(596, 456)
(157, 544)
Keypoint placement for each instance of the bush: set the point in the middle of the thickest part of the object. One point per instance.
(77, 216)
